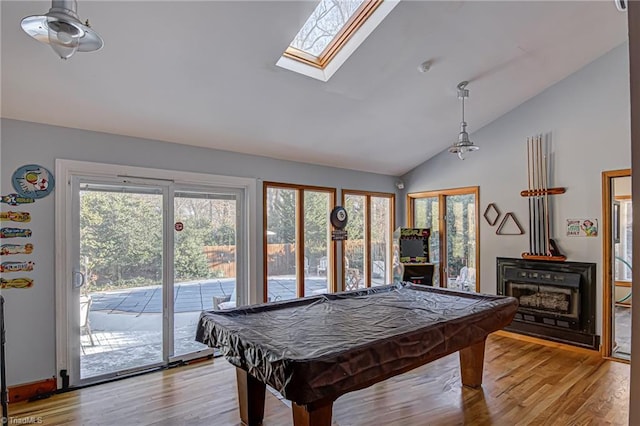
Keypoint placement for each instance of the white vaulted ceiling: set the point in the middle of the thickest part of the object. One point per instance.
(203, 73)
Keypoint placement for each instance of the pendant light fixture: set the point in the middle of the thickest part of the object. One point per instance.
(463, 145)
(61, 28)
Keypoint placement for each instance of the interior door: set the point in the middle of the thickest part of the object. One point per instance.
(119, 286)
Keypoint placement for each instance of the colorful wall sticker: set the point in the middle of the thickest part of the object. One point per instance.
(15, 216)
(582, 227)
(33, 181)
(16, 266)
(7, 249)
(22, 282)
(15, 199)
(14, 232)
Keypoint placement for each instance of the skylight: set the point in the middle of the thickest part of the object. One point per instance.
(335, 28)
(324, 24)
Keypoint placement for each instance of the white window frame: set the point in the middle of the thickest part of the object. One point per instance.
(250, 293)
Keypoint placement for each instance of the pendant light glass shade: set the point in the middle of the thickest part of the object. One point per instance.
(62, 30)
(463, 145)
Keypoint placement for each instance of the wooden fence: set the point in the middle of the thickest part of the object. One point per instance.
(281, 258)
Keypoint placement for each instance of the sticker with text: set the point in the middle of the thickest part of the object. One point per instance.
(15, 199)
(15, 216)
(16, 266)
(7, 249)
(22, 282)
(15, 232)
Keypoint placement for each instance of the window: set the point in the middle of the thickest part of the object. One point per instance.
(452, 216)
(367, 253)
(298, 251)
(330, 26)
(333, 31)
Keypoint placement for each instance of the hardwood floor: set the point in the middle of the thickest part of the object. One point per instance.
(525, 383)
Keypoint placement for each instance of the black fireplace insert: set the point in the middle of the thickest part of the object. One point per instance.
(557, 299)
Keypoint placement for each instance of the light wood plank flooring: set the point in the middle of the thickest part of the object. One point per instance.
(525, 383)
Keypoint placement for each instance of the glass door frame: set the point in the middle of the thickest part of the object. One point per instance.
(67, 313)
(299, 224)
(608, 275)
(165, 189)
(442, 224)
(368, 264)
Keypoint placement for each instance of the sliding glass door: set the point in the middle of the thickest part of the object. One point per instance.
(299, 253)
(452, 216)
(119, 276)
(367, 254)
(205, 260)
(146, 257)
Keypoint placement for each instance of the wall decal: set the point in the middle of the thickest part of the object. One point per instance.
(509, 219)
(16, 266)
(14, 232)
(15, 216)
(582, 227)
(22, 282)
(15, 199)
(7, 249)
(33, 181)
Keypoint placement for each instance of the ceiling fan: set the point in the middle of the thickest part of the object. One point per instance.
(62, 29)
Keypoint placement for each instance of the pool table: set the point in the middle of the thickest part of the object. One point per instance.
(314, 349)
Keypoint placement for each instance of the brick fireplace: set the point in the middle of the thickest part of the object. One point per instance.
(557, 299)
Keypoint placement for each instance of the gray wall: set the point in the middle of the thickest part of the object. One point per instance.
(30, 312)
(585, 117)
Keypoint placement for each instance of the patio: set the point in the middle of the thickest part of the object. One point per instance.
(126, 325)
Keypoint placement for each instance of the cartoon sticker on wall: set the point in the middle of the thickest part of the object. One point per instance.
(8, 249)
(15, 216)
(22, 282)
(15, 199)
(15, 232)
(582, 227)
(16, 266)
(33, 181)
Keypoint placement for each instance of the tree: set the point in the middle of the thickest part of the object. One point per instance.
(121, 236)
(190, 261)
(281, 215)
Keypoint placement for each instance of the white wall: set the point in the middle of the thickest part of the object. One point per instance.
(30, 312)
(586, 119)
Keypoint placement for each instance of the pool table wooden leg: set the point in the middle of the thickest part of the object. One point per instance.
(250, 398)
(312, 414)
(471, 364)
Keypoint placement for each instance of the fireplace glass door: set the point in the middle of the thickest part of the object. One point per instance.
(545, 300)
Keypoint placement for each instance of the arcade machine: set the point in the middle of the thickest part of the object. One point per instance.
(411, 248)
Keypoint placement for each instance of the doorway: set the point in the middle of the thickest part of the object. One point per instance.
(139, 259)
(452, 215)
(617, 251)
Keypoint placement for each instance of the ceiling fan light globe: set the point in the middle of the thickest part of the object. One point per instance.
(64, 39)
